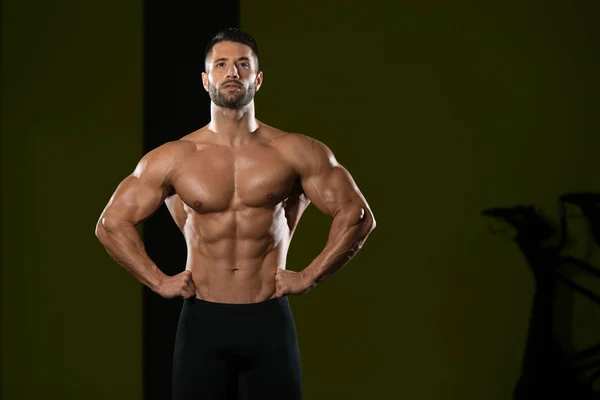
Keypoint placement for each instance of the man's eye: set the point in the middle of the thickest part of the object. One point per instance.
(245, 65)
(220, 64)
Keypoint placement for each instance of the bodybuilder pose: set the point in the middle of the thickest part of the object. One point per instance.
(236, 188)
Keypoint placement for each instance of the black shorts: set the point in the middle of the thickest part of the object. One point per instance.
(236, 351)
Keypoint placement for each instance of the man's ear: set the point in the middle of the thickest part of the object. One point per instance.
(205, 81)
(259, 80)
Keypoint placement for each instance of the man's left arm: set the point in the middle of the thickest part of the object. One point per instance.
(333, 191)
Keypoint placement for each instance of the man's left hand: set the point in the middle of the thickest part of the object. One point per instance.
(289, 282)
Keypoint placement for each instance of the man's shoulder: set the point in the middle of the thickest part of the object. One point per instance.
(175, 148)
(293, 141)
(277, 135)
(302, 151)
(304, 145)
(166, 156)
(185, 145)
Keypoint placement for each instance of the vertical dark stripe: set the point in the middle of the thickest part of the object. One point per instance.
(175, 104)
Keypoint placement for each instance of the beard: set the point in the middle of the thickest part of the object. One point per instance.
(234, 100)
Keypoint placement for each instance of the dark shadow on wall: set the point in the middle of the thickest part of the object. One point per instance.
(175, 104)
(551, 367)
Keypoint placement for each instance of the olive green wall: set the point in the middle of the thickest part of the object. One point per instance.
(439, 111)
(71, 130)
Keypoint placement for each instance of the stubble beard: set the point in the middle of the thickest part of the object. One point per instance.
(236, 100)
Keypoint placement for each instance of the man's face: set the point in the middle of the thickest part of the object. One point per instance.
(232, 78)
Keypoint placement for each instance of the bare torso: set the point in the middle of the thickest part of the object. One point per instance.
(237, 208)
(237, 192)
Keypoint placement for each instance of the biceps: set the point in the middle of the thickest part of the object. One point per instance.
(332, 190)
(134, 200)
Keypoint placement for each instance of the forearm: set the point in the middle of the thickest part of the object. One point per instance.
(123, 243)
(349, 231)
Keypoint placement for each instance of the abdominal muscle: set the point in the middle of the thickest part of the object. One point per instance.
(234, 255)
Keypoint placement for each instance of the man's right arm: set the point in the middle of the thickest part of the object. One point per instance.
(136, 198)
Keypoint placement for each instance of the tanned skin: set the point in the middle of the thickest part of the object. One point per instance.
(236, 189)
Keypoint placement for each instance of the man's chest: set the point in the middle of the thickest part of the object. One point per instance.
(219, 179)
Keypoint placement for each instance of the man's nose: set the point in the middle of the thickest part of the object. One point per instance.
(233, 72)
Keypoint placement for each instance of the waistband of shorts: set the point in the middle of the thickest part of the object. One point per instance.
(238, 306)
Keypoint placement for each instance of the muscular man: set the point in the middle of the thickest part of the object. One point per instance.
(236, 188)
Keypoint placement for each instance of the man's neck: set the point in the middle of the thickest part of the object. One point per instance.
(233, 126)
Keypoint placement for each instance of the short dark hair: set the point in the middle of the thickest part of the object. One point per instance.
(232, 35)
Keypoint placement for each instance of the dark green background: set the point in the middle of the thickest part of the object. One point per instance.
(438, 111)
(71, 130)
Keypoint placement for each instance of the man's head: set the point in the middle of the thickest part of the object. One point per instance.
(232, 74)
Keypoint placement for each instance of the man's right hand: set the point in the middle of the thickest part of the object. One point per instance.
(180, 285)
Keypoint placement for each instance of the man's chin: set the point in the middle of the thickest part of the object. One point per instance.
(233, 104)
(230, 105)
